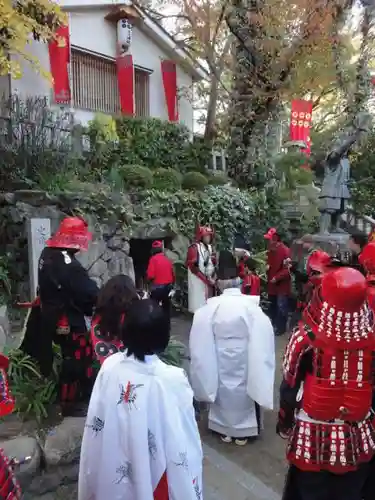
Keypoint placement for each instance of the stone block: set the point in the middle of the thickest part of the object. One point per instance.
(33, 197)
(4, 327)
(49, 481)
(107, 255)
(11, 426)
(180, 245)
(20, 448)
(126, 247)
(173, 256)
(63, 443)
(95, 251)
(116, 242)
(121, 265)
(98, 268)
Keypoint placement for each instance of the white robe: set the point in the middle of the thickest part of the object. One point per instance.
(232, 350)
(198, 291)
(140, 424)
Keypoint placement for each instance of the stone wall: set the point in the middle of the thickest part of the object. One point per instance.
(108, 253)
(50, 471)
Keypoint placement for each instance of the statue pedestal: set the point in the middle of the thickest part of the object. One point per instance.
(331, 242)
(335, 244)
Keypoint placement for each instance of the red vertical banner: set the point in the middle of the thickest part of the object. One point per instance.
(300, 123)
(59, 57)
(125, 79)
(169, 74)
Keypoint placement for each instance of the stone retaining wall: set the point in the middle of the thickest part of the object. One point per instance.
(108, 253)
(51, 471)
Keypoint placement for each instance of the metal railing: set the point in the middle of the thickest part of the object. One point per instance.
(356, 222)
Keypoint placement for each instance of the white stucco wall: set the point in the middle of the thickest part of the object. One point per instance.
(91, 31)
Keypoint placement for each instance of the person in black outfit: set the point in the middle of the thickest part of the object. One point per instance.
(66, 296)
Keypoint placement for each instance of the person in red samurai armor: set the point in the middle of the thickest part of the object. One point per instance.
(317, 263)
(366, 260)
(326, 392)
(9, 487)
(279, 282)
(251, 281)
(66, 296)
(201, 262)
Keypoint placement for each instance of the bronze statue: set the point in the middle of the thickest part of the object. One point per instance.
(335, 194)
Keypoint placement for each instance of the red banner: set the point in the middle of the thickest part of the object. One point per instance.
(300, 123)
(59, 57)
(125, 79)
(169, 73)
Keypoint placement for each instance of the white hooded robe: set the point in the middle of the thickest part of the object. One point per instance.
(141, 440)
(232, 350)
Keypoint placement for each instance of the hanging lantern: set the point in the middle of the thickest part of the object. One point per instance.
(124, 35)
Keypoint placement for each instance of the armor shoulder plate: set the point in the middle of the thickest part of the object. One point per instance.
(298, 345)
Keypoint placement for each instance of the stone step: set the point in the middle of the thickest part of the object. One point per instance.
(224, 480)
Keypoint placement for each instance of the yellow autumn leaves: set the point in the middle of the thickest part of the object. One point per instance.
(20, 23)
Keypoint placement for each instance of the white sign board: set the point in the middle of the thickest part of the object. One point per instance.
(39, 230)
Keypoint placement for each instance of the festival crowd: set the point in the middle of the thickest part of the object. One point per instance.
(141, 439)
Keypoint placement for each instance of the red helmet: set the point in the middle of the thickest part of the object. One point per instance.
(271, 234)
(6, 399)
(345, 289)
(72, 233)
(371, 294)
(203, 231)
(367, 257)
(338, 312)
(318, 261)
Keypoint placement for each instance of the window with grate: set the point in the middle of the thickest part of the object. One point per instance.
(142, 93)
(94, 83)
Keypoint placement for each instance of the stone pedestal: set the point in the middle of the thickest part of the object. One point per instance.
(335, 244)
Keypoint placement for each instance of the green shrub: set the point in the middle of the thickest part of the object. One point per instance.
(32, 392)
(218, 179)
(167, 179)
(232, 211)
(157, 143)
(174, 353)
(194, 181)
(136, 176)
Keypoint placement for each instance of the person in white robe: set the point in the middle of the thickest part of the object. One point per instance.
(200, 263)
(232, 350)
(141, 440)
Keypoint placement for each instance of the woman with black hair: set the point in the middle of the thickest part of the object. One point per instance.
(141, 440)
(113, 301)
(227, 272)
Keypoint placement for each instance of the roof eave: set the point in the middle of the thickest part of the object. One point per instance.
(184, 58)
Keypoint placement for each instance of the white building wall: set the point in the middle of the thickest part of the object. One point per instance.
(92, 32)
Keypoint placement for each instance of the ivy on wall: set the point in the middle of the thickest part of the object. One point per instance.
(229, 209)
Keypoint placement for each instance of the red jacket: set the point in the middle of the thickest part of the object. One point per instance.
(160, 270)
(251, 285)
(278, 269)
(241, 269)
